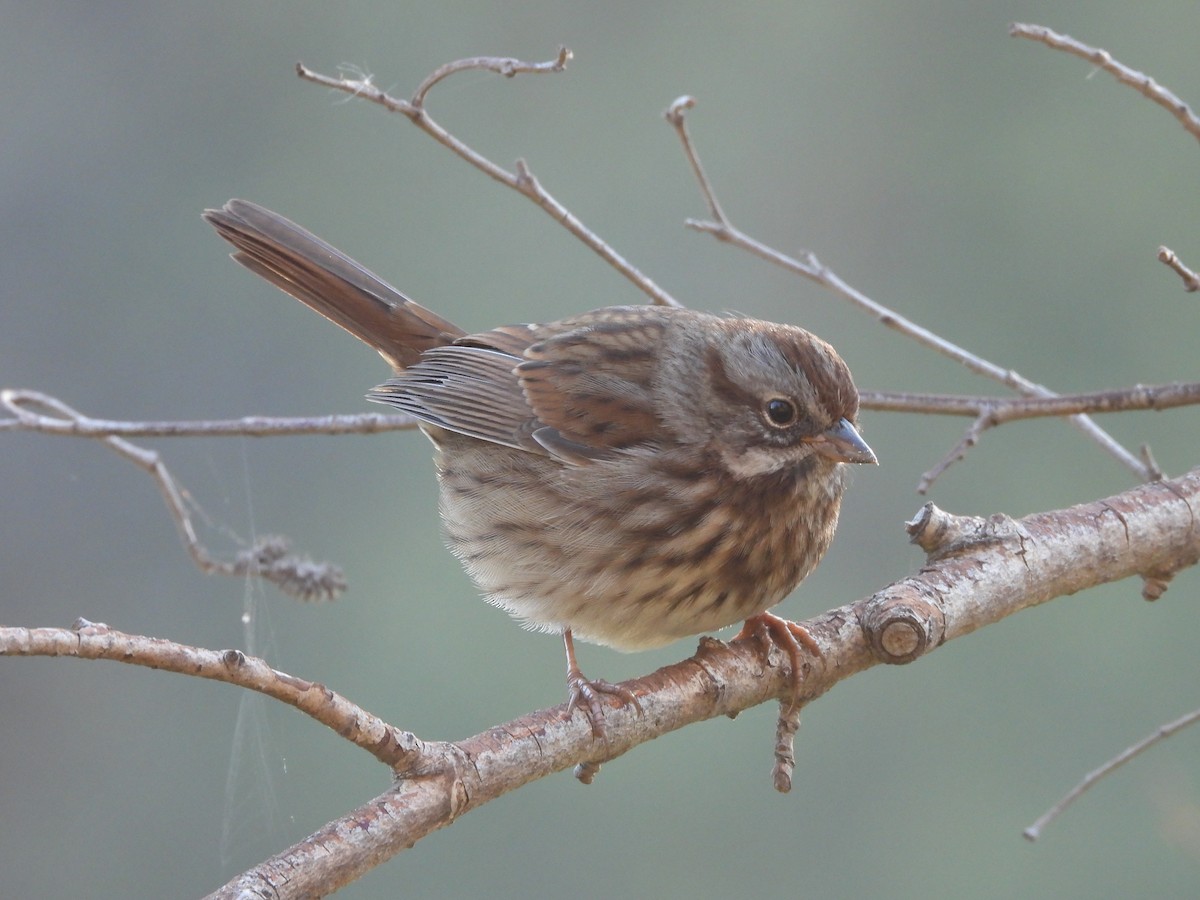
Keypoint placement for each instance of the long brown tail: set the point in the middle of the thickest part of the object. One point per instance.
(316, 274)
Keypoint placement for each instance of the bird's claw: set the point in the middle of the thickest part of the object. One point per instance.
(790, 637)
(585, 695)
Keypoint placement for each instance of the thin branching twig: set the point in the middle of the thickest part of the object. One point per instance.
(1101, 58)
(522, 180)
(268, 558)
(990, 412)
(808, 266)
(1034, 831)
(25, 403)
(997, 410)
(95, 641)
(1191, 281)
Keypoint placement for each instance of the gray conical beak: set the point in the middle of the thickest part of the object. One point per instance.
(843, 443)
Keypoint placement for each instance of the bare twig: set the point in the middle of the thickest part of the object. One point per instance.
(1191, 281)
(811, 268)
(999, 410)
(1139, 81)
(501, 65)
(267, 558)
(1156, 472)
(523, 181)
(93, 640)
(25, 402)
(1034, 831)
(675, 115)
(990, 412)
(785, 747)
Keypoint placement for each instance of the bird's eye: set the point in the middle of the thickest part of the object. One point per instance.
(780, 412)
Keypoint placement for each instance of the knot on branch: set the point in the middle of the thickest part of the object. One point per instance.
(941, 534)
(233, 659)
(935, 531)
(586, 771)
(902, 625)
(402, 750)
(87, 627)
(1155, 584)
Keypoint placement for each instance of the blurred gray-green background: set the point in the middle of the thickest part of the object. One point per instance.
(996, 191)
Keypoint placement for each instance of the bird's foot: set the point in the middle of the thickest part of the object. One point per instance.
(790, 637)
(585, 693)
